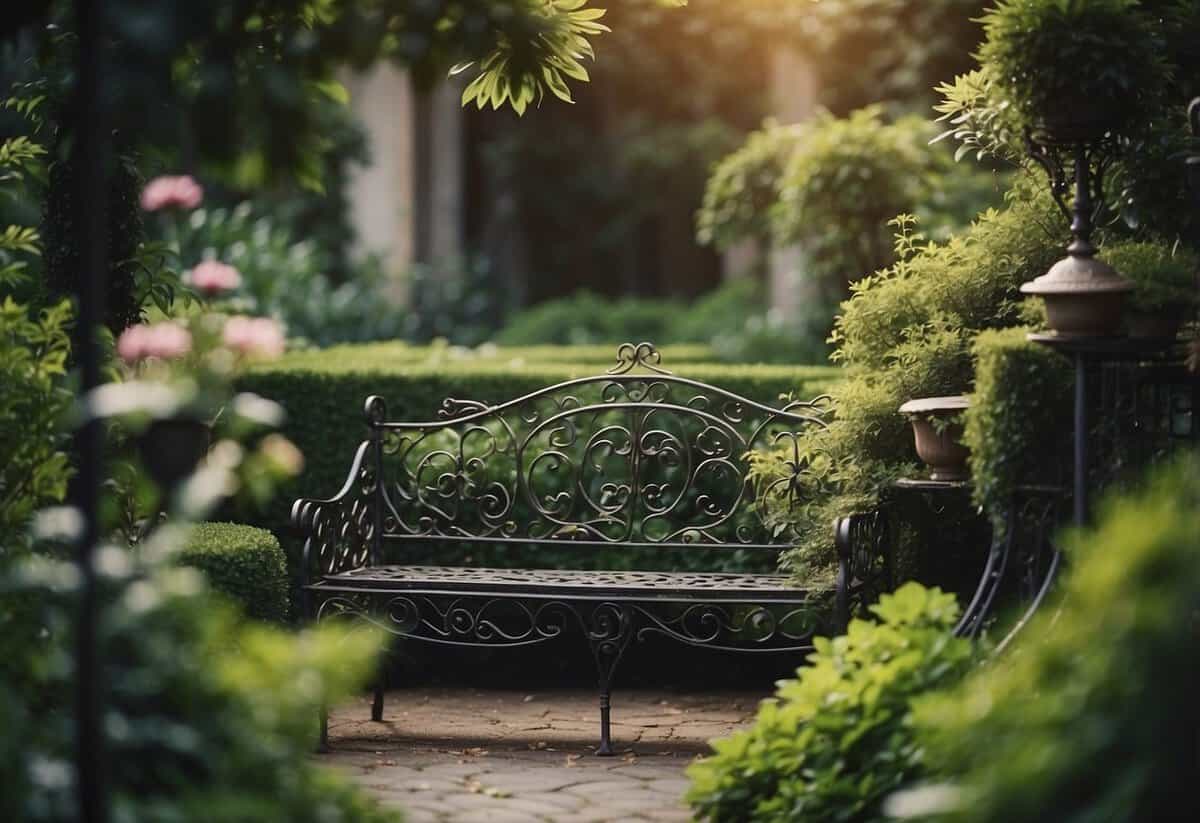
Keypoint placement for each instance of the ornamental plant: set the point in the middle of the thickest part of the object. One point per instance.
(1164, 275)
(835, 741)
(1092, 715)
(1075, 68)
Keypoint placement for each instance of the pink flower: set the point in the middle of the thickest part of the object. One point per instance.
(213, 277)
(165, 341)
(254, 336)
(171, 191)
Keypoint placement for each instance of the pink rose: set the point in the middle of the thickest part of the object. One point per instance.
(165, 341)
(170, 191)
(254, 336)
(213, 277)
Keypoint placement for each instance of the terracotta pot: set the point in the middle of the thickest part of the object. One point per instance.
(171, 449)
(1158, 325)
(943, 452)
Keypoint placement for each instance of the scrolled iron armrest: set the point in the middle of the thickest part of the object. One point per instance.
(338, 531)
(865, 561)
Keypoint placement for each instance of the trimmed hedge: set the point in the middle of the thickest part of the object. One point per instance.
(244, 563)
(323, 392)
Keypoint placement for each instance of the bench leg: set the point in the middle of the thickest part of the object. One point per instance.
(323, 742)
(610, 628)
(380, 687)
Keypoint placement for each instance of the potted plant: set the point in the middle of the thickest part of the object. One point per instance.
(938, 430)
(1075, 70)
(1164, 279)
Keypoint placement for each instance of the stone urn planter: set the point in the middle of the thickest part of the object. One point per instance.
(939, 441)
(1084, 296)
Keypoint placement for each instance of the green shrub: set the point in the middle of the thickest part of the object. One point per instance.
(907, 332)
(244, 563)
(586, 319)
(1164, 275)
(836, 740)
(1019, 414)
(285, 279)
(1050, 56)
(1093, 714)
(207, 716)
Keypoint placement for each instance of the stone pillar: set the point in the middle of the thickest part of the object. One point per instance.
(407, 203)
(381, 193)
(793, 100)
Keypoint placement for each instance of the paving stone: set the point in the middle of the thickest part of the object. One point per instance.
(460, 755)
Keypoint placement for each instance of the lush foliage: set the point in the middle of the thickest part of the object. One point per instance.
(286, 279)
(1018, 418)
(830, 186)
(244, 563)
(1164, 275)
(207, 717)
(836, 741)
(732, 322)
(906, 332)
(1108, 679)
(1097, 61)
(33, 464)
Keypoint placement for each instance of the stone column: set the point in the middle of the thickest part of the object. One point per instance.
(381, 193)
(793, 98)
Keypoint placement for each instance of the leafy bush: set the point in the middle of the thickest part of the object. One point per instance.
(906, 332)
(1163, 275)
(1019, 412)
(207, 717)
(588, 319)
(733, 322)
(836, 740)
(1056, 58)
(34, 468)
(244, 563)
(1093, 714)
(284, 279)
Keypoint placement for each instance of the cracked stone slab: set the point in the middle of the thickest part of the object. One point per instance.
(445, 754)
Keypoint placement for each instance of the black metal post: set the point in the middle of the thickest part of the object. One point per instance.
(1081, 437)
(90, 157)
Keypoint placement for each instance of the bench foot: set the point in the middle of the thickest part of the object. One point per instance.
(323, 741)
(377, 702)
(605, 749)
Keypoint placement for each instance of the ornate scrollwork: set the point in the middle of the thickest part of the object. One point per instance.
(607, 626)
(864, 561)
(340, 530)
(631, 356)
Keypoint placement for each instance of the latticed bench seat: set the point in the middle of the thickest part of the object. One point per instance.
(636, 460)
(566, 582)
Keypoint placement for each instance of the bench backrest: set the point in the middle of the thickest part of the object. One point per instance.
(636, 456)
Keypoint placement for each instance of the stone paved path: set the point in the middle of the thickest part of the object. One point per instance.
(466, 755)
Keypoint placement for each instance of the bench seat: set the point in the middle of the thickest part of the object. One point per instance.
(568, 583)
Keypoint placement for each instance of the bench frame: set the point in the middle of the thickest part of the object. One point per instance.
(636, 453)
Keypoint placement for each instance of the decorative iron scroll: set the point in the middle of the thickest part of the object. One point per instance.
(624, 457)
(484, 621)
(864, 561)
(340, 530)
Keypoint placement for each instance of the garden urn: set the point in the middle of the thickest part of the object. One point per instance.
(938, 434)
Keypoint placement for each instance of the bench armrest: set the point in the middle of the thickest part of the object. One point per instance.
(865, 562)
(339, 531)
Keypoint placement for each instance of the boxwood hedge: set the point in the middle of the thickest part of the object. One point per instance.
(244, 563)
(323, 392)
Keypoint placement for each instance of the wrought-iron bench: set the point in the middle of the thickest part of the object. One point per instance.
(636, 460)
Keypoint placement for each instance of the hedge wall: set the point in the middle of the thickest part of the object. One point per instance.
(323, 392)
(244, 563)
